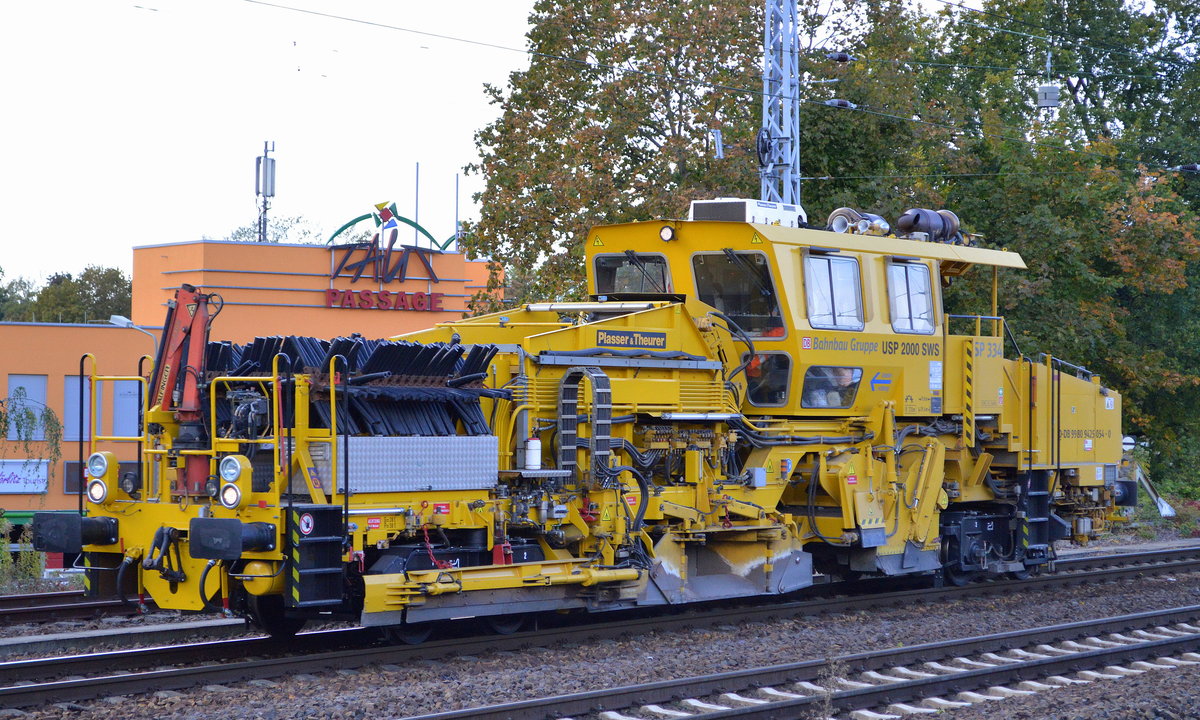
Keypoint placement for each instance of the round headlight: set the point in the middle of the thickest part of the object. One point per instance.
(97, 491)
(231, 496)
(666, 233)
(230, 469)
(97, 465)
(130, 483)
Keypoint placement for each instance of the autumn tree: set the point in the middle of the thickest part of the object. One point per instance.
(611, 123)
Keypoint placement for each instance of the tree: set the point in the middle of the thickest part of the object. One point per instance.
(96, 294)
(289, 229)
(611, 123)
(16, 297)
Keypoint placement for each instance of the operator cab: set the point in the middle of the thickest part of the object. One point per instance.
(831, 320)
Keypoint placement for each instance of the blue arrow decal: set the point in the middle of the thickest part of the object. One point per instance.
(881, 381)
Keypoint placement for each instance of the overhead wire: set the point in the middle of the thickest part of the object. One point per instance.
(1020, 72)
(959, 128)
(954, 175)
(1089, 42)
(596, 65)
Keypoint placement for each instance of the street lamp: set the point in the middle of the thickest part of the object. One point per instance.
(122, 321)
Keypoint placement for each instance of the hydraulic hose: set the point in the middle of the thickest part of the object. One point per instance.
(205, 601)
(125, 563)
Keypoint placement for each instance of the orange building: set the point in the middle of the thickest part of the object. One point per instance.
(266, 289)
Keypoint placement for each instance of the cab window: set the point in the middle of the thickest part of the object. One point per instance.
(911, 297)
(739, 285)
(833, 291)
(632, 273)
(828, 386)
(768, 377)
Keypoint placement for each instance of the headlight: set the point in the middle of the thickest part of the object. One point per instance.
(130, 483)
(230, 469)
(97, 491)
(231, 496)
(97, 465)
(666, 233)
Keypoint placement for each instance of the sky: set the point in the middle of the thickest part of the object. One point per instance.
(133, 123)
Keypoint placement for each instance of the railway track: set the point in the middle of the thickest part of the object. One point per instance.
(895, 682)
(54, 606)
(72, 605)
(30, 682)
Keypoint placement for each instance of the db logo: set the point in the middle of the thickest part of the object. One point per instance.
(806, 343)
(306, 524)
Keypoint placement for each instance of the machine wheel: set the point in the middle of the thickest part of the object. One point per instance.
(506, 624)
(407, 634)
(957, 577)
(266, 611)
(951, 570)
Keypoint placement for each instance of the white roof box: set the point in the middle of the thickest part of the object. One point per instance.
(751, 211)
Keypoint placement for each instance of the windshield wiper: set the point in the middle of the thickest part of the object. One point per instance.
(640, 264)
(746, 268)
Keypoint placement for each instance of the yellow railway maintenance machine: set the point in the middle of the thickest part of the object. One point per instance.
(744, 401)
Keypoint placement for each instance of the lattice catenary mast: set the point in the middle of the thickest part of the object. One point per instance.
(779, 139)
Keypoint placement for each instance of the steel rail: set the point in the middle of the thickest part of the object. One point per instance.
(61, 605)
(39, 670)
(37, 599)
(667, 691)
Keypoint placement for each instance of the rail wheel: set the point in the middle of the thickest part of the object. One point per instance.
(506, 624)
(951, 568)
(267, 612)
(408, 634)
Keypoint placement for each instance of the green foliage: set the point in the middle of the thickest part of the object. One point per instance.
(38, 431)
(23, 573)
(96, 294)
(16, 298)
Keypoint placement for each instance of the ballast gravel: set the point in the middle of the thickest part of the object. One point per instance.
(397, 691)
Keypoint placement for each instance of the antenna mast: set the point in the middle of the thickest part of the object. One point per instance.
(779, 140)
(264, 186)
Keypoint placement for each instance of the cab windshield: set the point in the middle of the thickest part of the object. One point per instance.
(632, 273)
(739, 285)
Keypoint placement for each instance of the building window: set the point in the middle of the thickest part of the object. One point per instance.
(739, 285)
(834, 292)
(632, 273)
(72, 477)
(70, 420)
(830, 387)
(126, 408)
(25, 404)
(911, 296)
